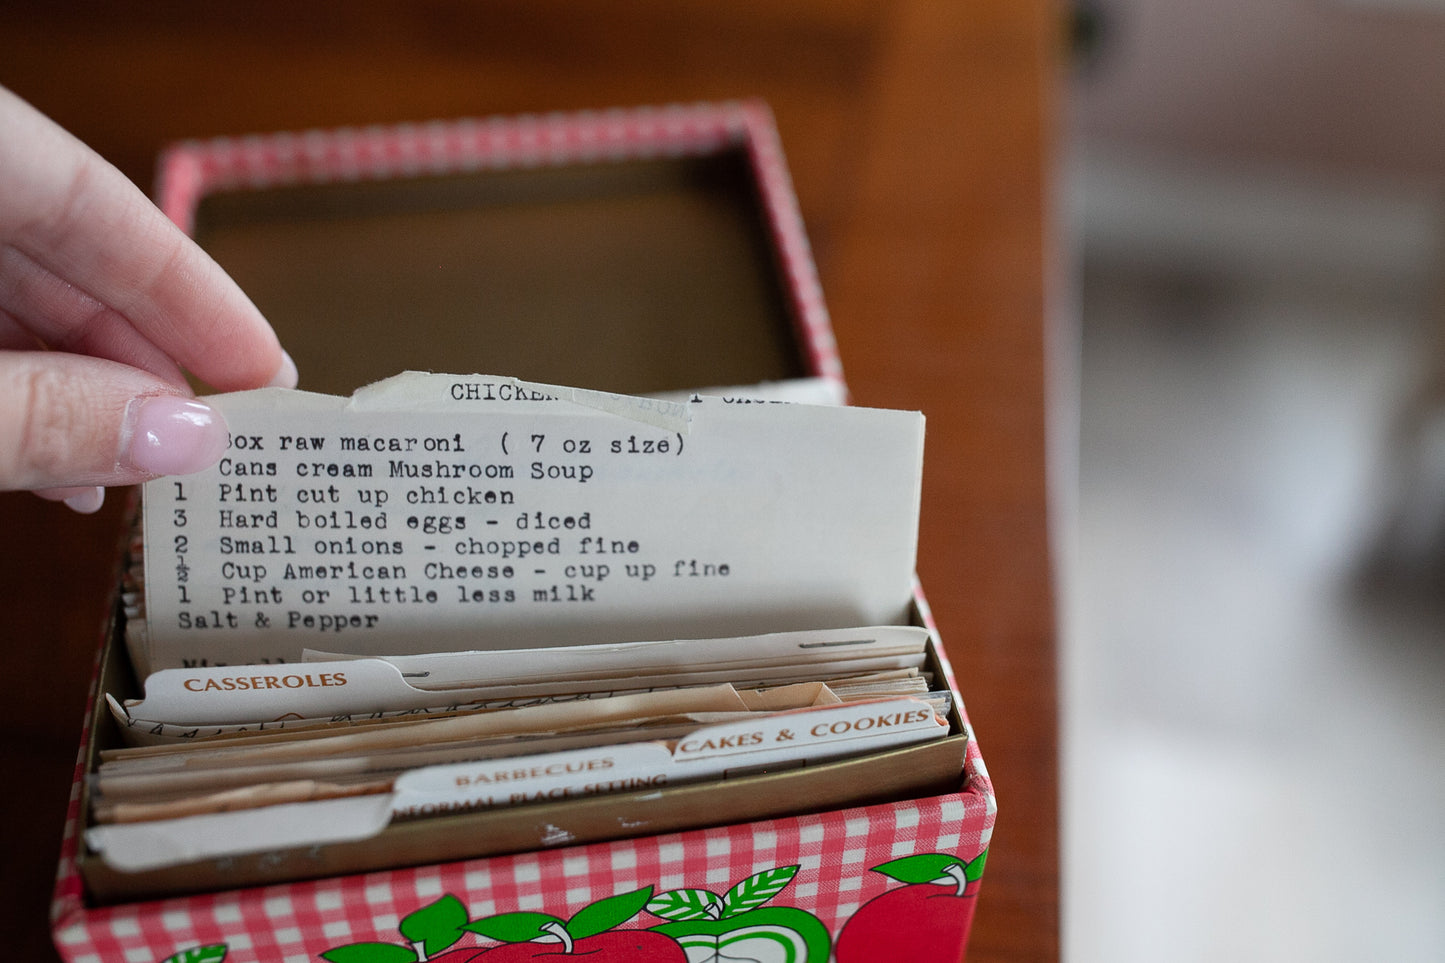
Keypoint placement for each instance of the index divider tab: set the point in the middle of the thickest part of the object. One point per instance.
(269, 693)
(316, 689)
(135, 847)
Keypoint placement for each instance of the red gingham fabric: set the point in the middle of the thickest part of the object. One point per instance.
(298, 921)
(834, 852)
(294, 922)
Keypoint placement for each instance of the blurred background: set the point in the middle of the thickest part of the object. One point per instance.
(921, 137)
(1255, 663)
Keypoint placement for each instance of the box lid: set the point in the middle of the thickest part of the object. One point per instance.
(635, 251)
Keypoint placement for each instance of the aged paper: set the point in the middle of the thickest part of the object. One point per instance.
(438, 512)
(731, 749)
(240, 695)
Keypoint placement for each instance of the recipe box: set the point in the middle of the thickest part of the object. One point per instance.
(637, 251)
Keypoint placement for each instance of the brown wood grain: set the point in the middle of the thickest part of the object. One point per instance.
(919, 139)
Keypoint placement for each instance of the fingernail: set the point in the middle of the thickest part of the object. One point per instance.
(173, 435)
(87, 502)
(286, 376)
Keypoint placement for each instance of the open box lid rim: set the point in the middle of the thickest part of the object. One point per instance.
(190, 170)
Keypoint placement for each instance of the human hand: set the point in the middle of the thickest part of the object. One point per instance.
(104, 304)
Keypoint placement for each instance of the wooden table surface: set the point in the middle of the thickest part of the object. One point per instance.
(919, 136)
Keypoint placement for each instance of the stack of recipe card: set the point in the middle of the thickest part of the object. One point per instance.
(455, 597)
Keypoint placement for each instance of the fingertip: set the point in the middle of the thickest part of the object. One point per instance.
(172, 435)
(87, 501)
(72, 422)
(286, 376)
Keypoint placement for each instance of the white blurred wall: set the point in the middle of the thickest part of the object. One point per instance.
(1254, 729)
(1341, 84)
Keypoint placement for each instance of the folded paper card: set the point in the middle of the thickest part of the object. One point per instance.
(747, 746)
(216, 696)
(345, 756)
(438, 512)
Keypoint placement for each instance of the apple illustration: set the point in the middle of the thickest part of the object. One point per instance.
(924, 921)
(617, 946)
(588, 935)
(465, 955)
(737, 926)
(199, 954)
(428, 931)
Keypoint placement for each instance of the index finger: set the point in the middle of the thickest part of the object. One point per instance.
(78, 219)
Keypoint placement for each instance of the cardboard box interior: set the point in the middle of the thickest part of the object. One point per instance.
(928, 769)
(631, 276)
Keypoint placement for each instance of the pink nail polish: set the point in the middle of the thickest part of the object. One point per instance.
(174, 436)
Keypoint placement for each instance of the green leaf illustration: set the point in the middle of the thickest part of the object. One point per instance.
(436, 926)
(606, 913)
(370, 953)
(922, 868)
(757, 890)
(974, 869)
(199, 954)
(512, 927)
(687, 904)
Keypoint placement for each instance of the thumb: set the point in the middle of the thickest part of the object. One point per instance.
(69, 421)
